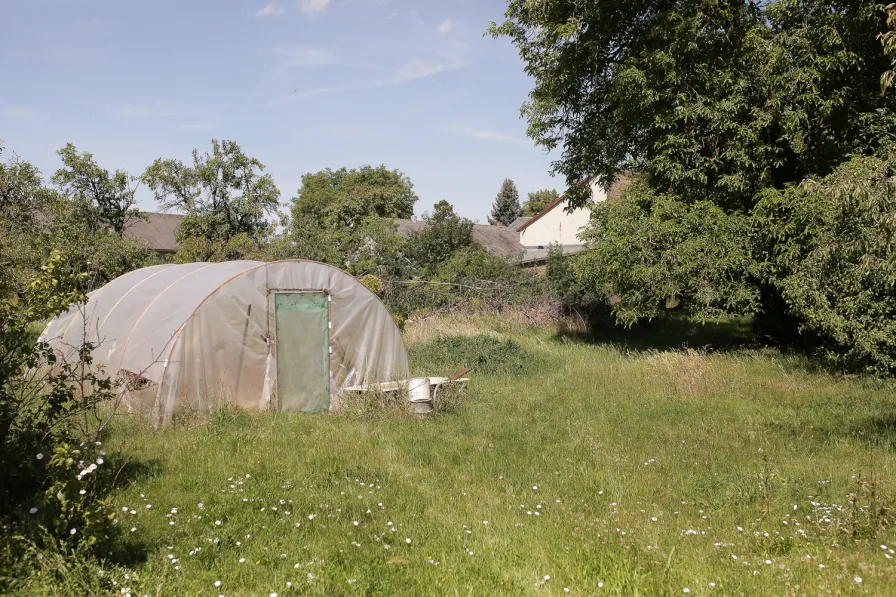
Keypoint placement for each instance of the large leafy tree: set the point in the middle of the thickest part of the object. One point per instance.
(506, 207)
(538, 201)
(335, 198)
(344, 217)
(224, 194)
(708, 100)
(108, 199)
(445, 234)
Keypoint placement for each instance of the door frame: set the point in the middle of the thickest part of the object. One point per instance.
(272, 337)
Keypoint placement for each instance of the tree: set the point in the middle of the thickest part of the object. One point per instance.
(538, 201)
(336, 198)
(445, 234)
(344, 218)
(107, 199)
(506, 207)
(712, 105)
(223, 194)
(888, 40)
(23, 201)
(708, 100)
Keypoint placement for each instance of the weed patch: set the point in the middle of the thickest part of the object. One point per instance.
(483, 353)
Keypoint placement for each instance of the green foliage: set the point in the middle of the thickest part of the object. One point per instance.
(888, 40)
(107, 199)
(22, 199)
(444, 234)
(829, 248)
(506, 207)
(338, 198)
(647, 251)
(485, 354)
(711, 101)
(538, 201)
(344, 218)
(53, 494)
(224, 193)
(369, 246)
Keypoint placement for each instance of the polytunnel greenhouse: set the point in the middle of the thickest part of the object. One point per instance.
(284, 336)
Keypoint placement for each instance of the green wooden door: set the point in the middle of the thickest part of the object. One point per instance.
(303, 355)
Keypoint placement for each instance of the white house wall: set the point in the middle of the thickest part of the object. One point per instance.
(558, 226)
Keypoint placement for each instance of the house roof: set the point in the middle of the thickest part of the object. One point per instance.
(157, 229)
(497, 240)
(619, 183)
(515, 225)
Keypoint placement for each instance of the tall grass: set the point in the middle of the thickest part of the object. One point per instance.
(600, 466)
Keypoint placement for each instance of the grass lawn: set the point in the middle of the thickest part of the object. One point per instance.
(579, 466)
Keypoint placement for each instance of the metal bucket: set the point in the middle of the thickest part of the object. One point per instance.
(419, 396)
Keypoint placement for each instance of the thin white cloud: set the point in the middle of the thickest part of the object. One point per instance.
(407, 72)
(312, 7)
(446, 26)
(270, 9)
(465, 130)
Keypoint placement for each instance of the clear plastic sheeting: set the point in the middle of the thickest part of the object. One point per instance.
(197, 336)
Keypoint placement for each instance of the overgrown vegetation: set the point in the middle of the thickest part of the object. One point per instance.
(610, 467)
(54, 498)
(732, 119)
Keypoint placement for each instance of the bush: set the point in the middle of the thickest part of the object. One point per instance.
(647, 251)
(829, 250)
(56, 478)
(484, 354)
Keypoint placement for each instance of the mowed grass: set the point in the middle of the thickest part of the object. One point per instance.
(596, 468)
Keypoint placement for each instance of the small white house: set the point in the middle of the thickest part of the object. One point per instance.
(556, 225)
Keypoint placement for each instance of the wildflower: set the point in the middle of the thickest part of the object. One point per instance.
(242, 560)
(217, 583)
(712, 584)
(40, 456)
(32, 511)
(218, 523)
(858, 579)
(686, 590)
(547, 577)
(600, 585)
(73, 531)
(408, 540)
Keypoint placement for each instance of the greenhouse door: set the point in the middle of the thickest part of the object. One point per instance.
(303, 355)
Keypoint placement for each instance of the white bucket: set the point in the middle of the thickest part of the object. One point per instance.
(419, 396)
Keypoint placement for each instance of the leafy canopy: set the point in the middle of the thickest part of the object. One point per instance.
(444, 234)
(224, 193)
(335, 198)
(709, 100)
(107, 199)
(538, 201)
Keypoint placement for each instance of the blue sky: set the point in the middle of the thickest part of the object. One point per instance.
(300, 84)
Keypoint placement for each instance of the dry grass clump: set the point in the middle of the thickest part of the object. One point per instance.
(685, 372)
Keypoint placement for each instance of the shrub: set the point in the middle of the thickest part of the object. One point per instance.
(829, 249)
(56, 478)
(484, 354)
